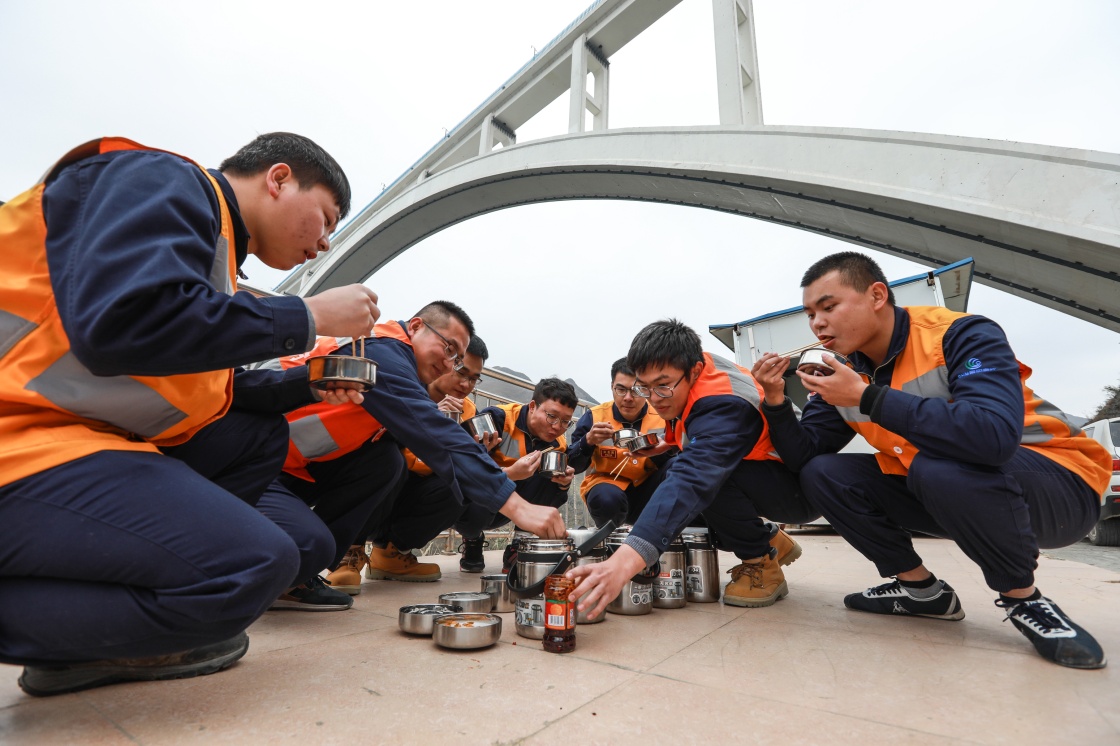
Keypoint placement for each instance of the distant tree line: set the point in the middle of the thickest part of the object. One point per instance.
(1111, 406)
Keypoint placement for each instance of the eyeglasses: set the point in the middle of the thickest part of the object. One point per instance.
(663, 392)
(621, 391)
(450, 350)
(472, 380)
(555, 418)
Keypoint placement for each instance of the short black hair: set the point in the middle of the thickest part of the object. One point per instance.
(556, 390)
(620, 366)
(665, 342)
(857, 271)
(478, 348)
(439, 312)
(310, 164)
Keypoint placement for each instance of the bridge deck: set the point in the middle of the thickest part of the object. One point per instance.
(803, 671)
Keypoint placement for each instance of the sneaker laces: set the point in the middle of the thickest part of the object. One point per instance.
(317, 582)
(886, 589)
(482, 542)
(754, 570)
(1039, 615)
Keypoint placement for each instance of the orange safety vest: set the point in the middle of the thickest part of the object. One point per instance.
(608, 458)
(324, 431)
(52, 408)
(721, 377)
(513, 445)
(417, 466)
(920, 369)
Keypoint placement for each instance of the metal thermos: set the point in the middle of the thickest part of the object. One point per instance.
(536, 559)
(702, 567)
(668, 587)
(636, 597)
(598, 553)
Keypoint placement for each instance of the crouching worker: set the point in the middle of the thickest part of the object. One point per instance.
(618, 484)
(120, 328)
(346, 460)
(726, 469)
(965, 451)
(527, 431)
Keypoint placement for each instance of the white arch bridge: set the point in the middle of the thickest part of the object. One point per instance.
(1042, 222)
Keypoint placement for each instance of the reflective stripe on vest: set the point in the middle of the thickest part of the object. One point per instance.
(55, 409)
(920, 369)
(324, 431)
(722, 377)
(513, 445)
(607, 459)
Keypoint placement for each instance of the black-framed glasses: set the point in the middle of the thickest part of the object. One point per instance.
(621, 391)
(663, 392)
(464, 374)
(450, 350)
(555, 418)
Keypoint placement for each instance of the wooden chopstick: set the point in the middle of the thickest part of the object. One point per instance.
(811, 345)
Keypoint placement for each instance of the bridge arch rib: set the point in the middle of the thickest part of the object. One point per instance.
(1042, 222)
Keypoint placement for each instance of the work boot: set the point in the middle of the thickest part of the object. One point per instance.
(787, 550)
(43, 681)
(392, 564)
(472, 559)
(347, 577)
(314, 595)
(756, 582)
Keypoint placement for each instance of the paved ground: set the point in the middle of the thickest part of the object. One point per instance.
(804, 671)
(1083, 551)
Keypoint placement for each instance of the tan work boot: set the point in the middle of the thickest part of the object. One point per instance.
(391, 564)
(347, 577)
(756, 582)
(788, 550)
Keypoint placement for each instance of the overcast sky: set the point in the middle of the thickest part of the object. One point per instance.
(376, 83)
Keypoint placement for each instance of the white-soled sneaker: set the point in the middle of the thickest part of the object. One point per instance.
(1053, 634)
(892, 598)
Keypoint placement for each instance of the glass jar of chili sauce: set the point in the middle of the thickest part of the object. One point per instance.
(559, 615)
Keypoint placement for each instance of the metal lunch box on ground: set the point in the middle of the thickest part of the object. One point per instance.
(341, 372)
(417, 619)
(482, 424)
(668, 587)
(812, 361)
(636, 596)
(495, 585)
(467, 631)
(596, 553)
(468, 601)
(701, 566)
(554, 464)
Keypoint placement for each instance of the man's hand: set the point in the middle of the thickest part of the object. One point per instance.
(450, 404)
(489, 441)
(842, 389)
(541, 520)
(524, 467)
(768, 371)
(564, 481)
(348, 311)
(338, 395)
(599, 432)
(598, 583)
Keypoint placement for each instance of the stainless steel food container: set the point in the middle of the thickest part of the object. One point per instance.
(668, 586)
(812, 361)
(342, 371)
(636, 597)
(482, 424)
(640, 442)
(417, 619)
(701, 567)
(468, 601)
(626, 433)
(536, 558)
(554, 464)
(495, 585)
(467, 631)
(598, 553)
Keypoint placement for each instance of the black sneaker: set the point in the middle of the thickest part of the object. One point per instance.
(1053, 634)
(472, 559)
(509, 556)
(43, 681)
(314, 595)
(892, 598)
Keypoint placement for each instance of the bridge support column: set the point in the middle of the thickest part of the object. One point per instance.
(740, 99)
(584, 61)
